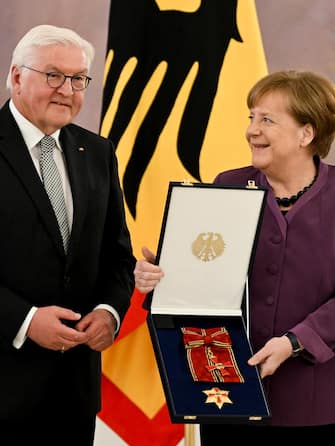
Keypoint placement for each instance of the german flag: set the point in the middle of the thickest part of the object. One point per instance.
(177, 73)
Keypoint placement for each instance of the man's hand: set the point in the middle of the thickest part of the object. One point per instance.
(99, 326)
(49, 330)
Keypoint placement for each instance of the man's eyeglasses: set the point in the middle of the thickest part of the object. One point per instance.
(56, 79)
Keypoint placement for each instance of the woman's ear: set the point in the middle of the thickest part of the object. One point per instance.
(307, 136)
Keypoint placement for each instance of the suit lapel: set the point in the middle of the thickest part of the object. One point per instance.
(14, 150)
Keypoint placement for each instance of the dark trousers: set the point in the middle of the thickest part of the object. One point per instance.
(220, 434)
(48, 431)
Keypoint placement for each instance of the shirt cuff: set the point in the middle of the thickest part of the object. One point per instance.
(114, 313)
(22, 333)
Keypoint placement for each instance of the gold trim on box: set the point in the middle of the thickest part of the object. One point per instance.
(187, 182)
(208, 246)
(251, 184)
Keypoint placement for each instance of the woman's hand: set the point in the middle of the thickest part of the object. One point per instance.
(146, 273)
(274, 353)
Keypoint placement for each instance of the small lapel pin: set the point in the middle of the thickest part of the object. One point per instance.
(81, 149)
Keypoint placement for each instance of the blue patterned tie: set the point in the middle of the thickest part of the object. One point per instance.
(53, 186)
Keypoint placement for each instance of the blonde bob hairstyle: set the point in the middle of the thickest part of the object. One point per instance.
(310, 98)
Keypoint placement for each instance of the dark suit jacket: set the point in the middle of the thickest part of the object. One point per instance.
(35, 271)
(292, 288)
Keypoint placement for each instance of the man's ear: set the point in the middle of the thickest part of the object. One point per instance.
(15, 73)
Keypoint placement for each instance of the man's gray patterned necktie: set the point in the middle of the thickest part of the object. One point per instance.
(53, 186)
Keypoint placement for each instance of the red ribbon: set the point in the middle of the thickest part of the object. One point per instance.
(210, 355)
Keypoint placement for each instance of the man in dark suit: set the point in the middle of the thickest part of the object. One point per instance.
(62, 297)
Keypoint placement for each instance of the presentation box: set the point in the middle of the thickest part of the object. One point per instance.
(198, 314)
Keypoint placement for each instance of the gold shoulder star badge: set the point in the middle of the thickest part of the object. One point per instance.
(217, 396)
